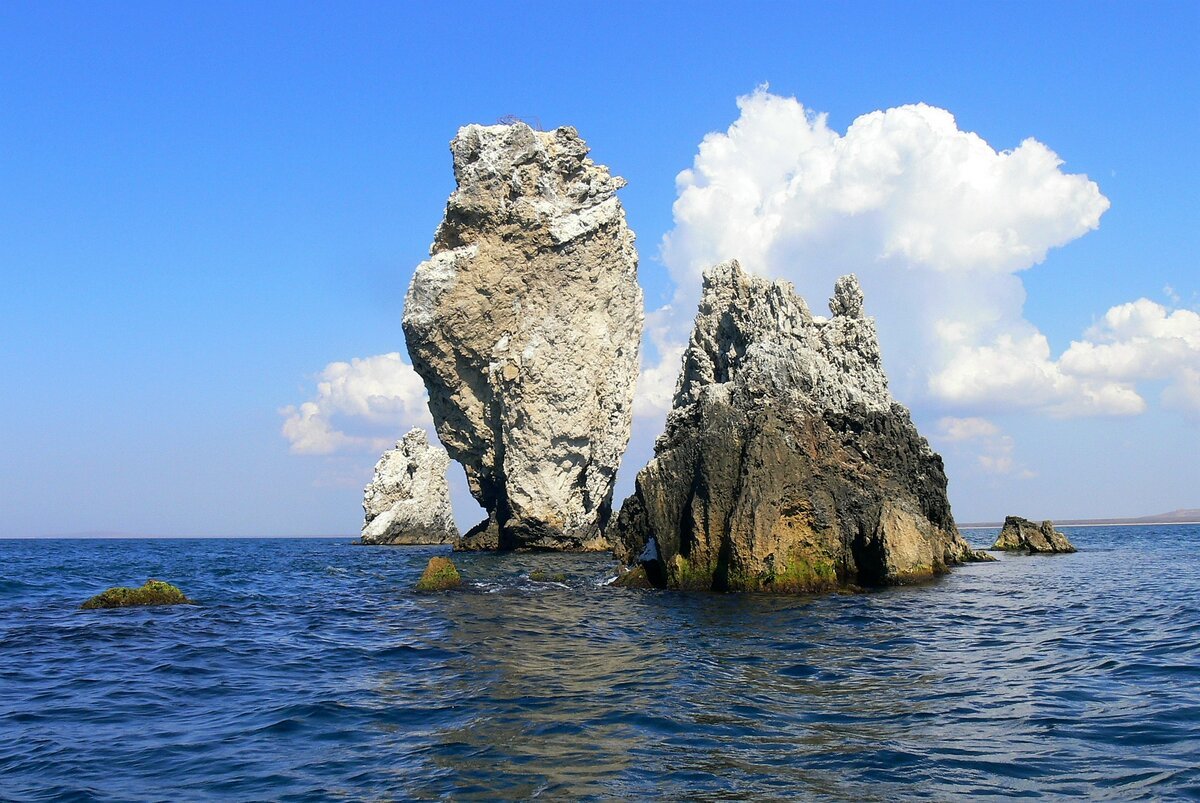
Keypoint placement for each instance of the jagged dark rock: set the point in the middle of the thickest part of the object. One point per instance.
(525, 325)
(151, 593)
(1023, 535)
(786, 465)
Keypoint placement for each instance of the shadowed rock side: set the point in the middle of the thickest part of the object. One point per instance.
(408, 500)
(1023, 535)
(786, 465)
(525, 324)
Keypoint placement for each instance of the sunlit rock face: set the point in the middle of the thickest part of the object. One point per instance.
(408, 499)
(525, 324)
(786, 465)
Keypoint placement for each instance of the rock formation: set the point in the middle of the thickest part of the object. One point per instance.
(786, 465)
(1022, 535)
(525, 324)
(408, 500)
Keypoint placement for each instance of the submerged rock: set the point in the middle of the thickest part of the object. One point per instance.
(1023, 535)
(408, 500)
(786, 465)
(525, 325)
(154, 592)
(440, 575)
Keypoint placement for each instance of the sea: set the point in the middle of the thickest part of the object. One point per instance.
(309, 670)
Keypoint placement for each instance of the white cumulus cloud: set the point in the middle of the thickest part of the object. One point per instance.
(936, 222)
(993, 450)
(364, 404)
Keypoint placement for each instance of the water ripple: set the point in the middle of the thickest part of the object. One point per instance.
(310, 671)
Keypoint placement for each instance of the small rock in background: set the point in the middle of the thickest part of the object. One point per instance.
(408, 500)
(154, 592)
(1023, 535)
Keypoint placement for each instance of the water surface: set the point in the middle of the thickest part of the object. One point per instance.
(311, 671)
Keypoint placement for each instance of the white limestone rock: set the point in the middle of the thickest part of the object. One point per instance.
(408, 500)
(525, 324)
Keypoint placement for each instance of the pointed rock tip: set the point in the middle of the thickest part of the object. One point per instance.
(847, 298)
(727, 272)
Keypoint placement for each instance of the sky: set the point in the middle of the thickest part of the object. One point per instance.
(210, 213)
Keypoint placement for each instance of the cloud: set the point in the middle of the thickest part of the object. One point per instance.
(936, 223)
(1138, 340)
(375, 398)
(992, 449)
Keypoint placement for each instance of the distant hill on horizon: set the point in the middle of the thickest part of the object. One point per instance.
(1186, 515)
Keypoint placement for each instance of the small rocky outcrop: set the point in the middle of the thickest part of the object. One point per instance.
(440, 575)
(1023, 535)
(786, 465)
(525, 324)
(153, 592)
(408, 499)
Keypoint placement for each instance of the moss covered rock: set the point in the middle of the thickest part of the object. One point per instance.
(154, 592)
(440, 574)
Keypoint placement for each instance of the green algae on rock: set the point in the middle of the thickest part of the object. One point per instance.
(543, 576)
(440, 575)
(154, 592)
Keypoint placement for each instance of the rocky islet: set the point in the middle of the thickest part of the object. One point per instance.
(1022, 535)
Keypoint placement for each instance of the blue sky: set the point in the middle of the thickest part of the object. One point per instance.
(204, 205)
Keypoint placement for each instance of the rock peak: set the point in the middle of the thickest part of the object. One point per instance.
(746, 322)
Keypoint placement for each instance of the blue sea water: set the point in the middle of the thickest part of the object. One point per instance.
(311, 671)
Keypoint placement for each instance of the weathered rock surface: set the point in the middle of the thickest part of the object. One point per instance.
(525, 325)
(408, 500)
(786, 465)
(1023, 535)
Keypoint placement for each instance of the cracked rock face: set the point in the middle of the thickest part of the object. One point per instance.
(408, 500)
(525, 324)
(1023, 535)
(786, 465)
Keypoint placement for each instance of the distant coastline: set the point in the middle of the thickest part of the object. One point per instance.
(1182, 516)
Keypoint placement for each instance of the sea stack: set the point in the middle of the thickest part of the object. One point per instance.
(408, 499)
(1023, 535)
(786, 465)
(525, 324)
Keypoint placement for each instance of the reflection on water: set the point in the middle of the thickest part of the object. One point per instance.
(312, 671)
